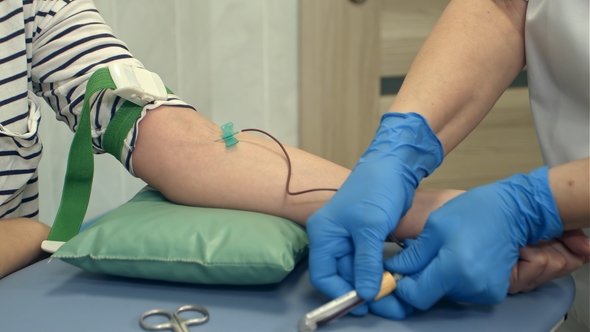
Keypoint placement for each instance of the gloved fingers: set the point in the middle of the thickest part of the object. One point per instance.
(323, 267)
(345, 268)
(368, 263)
(391, 307)
(332, 286)
(345, 271)
(493, 294)
(361, 310)
(430, 287)
(408, 243)
(417, 256)
(387, 265)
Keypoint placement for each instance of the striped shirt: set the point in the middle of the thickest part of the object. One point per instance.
(48, 50)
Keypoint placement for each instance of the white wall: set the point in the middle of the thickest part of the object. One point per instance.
(234, 60)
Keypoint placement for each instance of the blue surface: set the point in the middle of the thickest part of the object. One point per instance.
(55, 296)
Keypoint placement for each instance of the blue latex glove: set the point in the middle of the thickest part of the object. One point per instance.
(354, 224)
(469, 245)
(388, 306)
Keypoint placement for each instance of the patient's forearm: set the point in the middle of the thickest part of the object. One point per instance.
(176, 154)
(20, 243)
(425, 202)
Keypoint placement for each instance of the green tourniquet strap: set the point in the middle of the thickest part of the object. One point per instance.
(119, 127)
(80, 168)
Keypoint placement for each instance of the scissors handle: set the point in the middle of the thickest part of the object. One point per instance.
(175, 323)
(191, 321)
(170, 325)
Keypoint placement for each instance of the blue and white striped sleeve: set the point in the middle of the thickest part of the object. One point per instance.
(70, 40)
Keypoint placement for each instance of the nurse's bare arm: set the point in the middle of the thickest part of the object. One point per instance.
(570, 185)
(472, 55)
(20, 243)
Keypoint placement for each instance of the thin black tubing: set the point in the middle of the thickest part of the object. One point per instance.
(289, 166)
(289, 175)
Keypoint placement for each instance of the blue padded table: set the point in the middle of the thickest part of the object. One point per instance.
(54, 296)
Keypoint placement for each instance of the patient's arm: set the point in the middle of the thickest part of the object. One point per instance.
(20, 243)
(176, 153)
(577, 242)
(549, 260)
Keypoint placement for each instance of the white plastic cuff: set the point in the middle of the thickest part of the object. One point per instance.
(138, 85)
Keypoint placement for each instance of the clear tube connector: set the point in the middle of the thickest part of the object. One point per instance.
(343, 305)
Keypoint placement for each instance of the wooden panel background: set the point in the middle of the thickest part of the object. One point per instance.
(346, 48)
(405, 24)
(503, 144)
(339, 101)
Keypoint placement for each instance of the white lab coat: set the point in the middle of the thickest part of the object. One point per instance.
(558, 62)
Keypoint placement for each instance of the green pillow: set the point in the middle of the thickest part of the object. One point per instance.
(150, 237)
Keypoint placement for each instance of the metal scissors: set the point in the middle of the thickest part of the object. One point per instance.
(175, 323)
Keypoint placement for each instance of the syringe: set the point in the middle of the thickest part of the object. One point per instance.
(343, 305)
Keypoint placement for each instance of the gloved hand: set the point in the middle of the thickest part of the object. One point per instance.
(469, 245)
(368, 206)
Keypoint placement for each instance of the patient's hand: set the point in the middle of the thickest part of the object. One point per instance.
(549, 260)
(20, 243)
